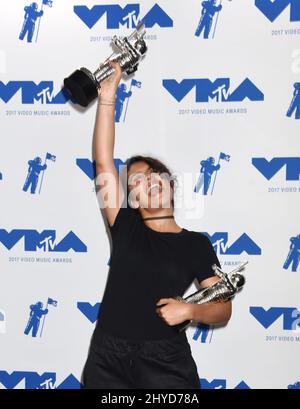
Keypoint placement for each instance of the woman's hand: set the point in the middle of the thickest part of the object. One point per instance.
(109, 86)
(175, 311)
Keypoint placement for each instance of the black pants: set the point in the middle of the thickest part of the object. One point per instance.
(117, 363)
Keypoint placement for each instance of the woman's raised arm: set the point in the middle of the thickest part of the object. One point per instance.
(107, 178)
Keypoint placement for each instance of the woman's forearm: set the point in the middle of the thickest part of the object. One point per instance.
(104, 134)
(213, 313)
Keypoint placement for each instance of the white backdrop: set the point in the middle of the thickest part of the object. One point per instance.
(254, 206)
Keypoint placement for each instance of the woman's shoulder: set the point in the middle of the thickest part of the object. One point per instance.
(198, 241)
(124, 216)
(198, 236)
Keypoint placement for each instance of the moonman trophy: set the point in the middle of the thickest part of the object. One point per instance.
(83, 85)
(228, 285)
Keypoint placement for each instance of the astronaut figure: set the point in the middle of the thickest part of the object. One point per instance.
(34, 170)
(209, 9)
(31, 15)
(295, 104)
(36, 312)
(294, 254)
(121, 95)
(206, 171)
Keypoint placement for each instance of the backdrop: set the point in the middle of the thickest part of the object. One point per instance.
(217, 99)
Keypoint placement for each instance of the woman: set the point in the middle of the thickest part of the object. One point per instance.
(136, 343)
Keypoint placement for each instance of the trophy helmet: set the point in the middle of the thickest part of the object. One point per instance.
(34, 5)
(141, 47)
(237, 280)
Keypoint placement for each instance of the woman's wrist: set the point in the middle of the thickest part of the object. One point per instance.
(107, 101)
(107, 96)
(191, 311)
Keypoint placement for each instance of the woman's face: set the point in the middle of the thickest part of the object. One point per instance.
(147, 188)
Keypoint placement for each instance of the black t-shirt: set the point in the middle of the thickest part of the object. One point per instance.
(146, 266)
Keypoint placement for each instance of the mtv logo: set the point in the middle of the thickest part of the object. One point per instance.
(273, 8)
(126, 15)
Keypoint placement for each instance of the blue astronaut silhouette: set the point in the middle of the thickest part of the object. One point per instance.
(36, 313)
(208, 168)
(122, 97)
(293, 257)
(34, 170)
(295, 103)
(31, 15)
(209, 9)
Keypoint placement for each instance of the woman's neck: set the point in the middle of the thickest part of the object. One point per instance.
(160, 219)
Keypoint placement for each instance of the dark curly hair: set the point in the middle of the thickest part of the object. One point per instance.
(157, 166)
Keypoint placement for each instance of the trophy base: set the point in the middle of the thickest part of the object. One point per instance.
(81, 88)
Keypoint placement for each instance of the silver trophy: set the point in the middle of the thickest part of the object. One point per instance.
(228, 285)
(82, 85)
